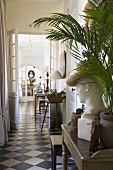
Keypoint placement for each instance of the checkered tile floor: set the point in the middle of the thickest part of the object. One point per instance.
(28, 148)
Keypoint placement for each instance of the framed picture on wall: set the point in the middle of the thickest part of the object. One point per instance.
(31, 74)
(63, 64)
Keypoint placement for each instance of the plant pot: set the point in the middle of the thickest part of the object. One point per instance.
(55, 99)
(106, 129)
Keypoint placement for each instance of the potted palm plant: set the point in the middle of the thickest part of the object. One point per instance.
(96, 40)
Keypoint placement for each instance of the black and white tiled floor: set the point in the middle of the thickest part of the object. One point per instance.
(28, 148)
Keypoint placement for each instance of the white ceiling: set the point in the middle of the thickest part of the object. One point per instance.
(35, 57)
(38, 43)
(37, 40)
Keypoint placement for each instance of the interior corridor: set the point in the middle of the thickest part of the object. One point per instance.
(28, 148)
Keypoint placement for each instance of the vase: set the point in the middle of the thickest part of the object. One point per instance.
(106, 129)
(74, 121)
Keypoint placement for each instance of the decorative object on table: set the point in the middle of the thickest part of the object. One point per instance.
(96, 40)
(38, 88)
(54, 97)
(88, 91)
(46, 70)
(106, 117)
(40, 77)
(55, 75)
(74, 119)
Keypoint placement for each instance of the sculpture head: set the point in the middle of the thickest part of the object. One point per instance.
(88, 88)
(90, 93)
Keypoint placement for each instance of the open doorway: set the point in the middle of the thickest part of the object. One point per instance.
(29, 81)
(34, 55)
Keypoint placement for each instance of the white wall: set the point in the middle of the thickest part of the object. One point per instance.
(39, 60)
(19, 14)
(75, 8)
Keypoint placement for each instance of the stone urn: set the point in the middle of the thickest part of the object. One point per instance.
(106, 129)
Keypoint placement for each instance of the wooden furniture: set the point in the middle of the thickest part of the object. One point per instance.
(79, 149)
(56, 148)
(29, 90)
(42, 105)
(56, 116)
(37, 97)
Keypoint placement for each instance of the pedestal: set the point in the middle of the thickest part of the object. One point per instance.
(55, 115)
(84, 128)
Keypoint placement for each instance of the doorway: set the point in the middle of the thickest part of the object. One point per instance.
(34, 55)
(28, 88)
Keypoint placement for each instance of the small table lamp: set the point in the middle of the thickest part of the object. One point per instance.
(46, 69)
(55, 75)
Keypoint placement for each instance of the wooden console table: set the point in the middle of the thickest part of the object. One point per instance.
(79, 149)
(37, 96)
(29, 90)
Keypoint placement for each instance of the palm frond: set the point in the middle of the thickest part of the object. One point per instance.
(92, 43)
(65, 24)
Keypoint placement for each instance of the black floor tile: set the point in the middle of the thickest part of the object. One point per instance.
(45, 164)
(44, 156)
(3, 152)
(40, 139)
(23, 140)
(2, 167)
(23, 145)
(43, 149)
(22, 166)
(5, 146)
(23, 151)
(2, 158)
(42, 143)
(22, 157)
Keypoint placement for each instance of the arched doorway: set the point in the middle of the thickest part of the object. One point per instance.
(26, 87)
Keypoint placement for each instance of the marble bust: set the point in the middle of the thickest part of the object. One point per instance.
(90, 93)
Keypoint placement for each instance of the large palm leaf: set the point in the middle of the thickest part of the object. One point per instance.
(65, 28)
(95, 39)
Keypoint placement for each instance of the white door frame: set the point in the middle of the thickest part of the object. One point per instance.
(13, 77)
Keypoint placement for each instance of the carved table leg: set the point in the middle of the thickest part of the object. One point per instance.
(64, 156)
